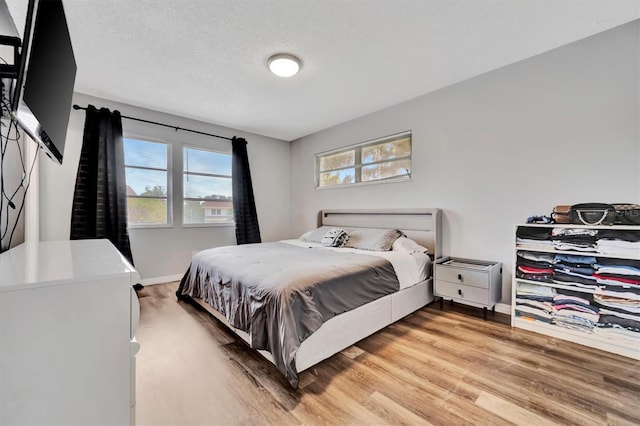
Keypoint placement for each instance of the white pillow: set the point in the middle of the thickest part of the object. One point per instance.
(316, 235)
(407, 245)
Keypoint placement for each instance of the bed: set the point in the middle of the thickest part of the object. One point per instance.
(376, 298)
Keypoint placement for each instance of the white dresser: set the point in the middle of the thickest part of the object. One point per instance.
(68, 316)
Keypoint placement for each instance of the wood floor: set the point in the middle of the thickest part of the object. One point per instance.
(433, 367)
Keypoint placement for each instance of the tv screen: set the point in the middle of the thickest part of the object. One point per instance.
(48, 70)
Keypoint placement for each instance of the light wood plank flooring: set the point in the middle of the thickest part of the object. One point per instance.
(433, 367)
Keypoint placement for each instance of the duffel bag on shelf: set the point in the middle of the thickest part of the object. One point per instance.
(592, 214)
(627, 214)
(560, 214)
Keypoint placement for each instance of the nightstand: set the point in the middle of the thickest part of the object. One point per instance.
(471, 282)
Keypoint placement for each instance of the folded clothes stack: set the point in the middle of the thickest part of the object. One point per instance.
(534, 302)
(534, 266)
(619, 243)
(575, 270)
(574, 239)
(619, 318)
(618, 276)
(574, 311)
(564, 308)
(534, 237)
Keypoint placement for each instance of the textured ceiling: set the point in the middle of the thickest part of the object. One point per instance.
(206, 59)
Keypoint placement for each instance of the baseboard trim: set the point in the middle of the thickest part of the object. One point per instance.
(503, 308)
(161, 280)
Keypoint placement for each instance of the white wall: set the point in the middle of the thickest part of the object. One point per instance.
(167, 251)
(559, 128)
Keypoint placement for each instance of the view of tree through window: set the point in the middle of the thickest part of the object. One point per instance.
(206, 186)
(147, 181)
(377, 160)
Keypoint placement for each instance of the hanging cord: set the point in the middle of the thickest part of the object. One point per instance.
(24, 194)
(5, 109)
(4, 143)
(8, 202)
(13, 125)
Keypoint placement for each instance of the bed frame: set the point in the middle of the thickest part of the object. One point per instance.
(342, 331)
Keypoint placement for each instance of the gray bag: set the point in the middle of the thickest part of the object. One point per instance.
(627, 214)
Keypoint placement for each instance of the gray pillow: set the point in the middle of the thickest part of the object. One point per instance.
(315, 236)
(373, 239)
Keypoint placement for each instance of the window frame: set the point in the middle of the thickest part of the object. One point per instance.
(358, 165)
(169, 171)
(230, 222)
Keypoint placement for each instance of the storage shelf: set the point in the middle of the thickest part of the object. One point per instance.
(605, 343)
(575, 288)
(629, 347)
(575, 252)
(569, 225)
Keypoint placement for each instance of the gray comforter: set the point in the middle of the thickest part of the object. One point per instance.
(280, 293)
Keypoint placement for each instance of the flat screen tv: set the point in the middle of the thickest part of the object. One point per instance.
(42, 98)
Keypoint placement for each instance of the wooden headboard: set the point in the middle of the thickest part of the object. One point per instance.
(421, 225)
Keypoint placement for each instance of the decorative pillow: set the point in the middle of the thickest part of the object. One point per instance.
(373, 239)
(335, 237)
(304, 236)
(316, 235)
(407, 245)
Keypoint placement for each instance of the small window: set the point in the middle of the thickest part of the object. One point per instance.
(147, 177)
(378, 160)
(207, 187)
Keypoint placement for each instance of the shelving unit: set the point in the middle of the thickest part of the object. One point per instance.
(622, 346)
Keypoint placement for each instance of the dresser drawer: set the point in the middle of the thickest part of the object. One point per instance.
(462, 292)
(462, 276)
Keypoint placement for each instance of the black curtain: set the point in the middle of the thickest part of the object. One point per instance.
(100, 198)
(244, 205)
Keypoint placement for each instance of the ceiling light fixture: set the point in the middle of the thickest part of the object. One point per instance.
(284, 65)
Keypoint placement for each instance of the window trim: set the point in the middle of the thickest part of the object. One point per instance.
(169, 197)
(209, 225)
(357, 166)
(183, 198)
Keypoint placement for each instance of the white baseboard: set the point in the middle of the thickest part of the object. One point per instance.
(503, 308)
(161, 280)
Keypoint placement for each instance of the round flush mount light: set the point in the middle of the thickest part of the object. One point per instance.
(284, 65)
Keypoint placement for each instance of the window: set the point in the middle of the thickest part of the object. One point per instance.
(147, 176)
(378, 160)
(206, 187)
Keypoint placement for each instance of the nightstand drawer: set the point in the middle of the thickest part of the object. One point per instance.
(462, 276)
(462, 292)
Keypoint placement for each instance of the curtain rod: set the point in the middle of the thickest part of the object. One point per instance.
(77, 107)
